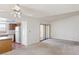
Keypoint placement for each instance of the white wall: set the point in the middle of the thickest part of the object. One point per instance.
(67, 28)
(24, 32)
(30, 33)
(33, 30)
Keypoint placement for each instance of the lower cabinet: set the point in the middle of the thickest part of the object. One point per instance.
(5, 45)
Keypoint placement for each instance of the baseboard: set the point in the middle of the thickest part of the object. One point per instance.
(66, 39)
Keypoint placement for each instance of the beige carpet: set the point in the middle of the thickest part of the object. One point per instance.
(48, 47)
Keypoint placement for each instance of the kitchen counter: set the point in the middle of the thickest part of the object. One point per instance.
(5, 44)
(5, 34)
(4, 38)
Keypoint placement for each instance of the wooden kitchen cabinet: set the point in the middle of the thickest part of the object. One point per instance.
(12, 26)
(5, 45)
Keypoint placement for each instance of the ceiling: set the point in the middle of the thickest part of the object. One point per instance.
(41, 10)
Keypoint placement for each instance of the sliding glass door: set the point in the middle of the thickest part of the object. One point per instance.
(47, 30)
(44, 31)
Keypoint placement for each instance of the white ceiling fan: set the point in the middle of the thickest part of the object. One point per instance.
(16, 11)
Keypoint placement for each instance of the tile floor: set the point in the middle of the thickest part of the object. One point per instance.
(47, 47)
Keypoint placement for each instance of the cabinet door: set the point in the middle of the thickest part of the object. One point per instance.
(12, 26)
(5, 45)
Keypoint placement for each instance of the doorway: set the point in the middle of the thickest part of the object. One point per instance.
(14, 28)
(44, 31)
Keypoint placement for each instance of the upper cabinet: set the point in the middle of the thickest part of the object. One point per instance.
(12, 26)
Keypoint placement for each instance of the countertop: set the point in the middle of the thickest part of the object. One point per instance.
(8, 35)
(4, 38)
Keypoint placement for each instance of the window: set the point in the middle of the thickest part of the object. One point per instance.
(3, 27)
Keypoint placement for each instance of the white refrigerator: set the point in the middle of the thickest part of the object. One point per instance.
(17, 34)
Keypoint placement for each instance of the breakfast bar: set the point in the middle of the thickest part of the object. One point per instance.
(5, 44)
